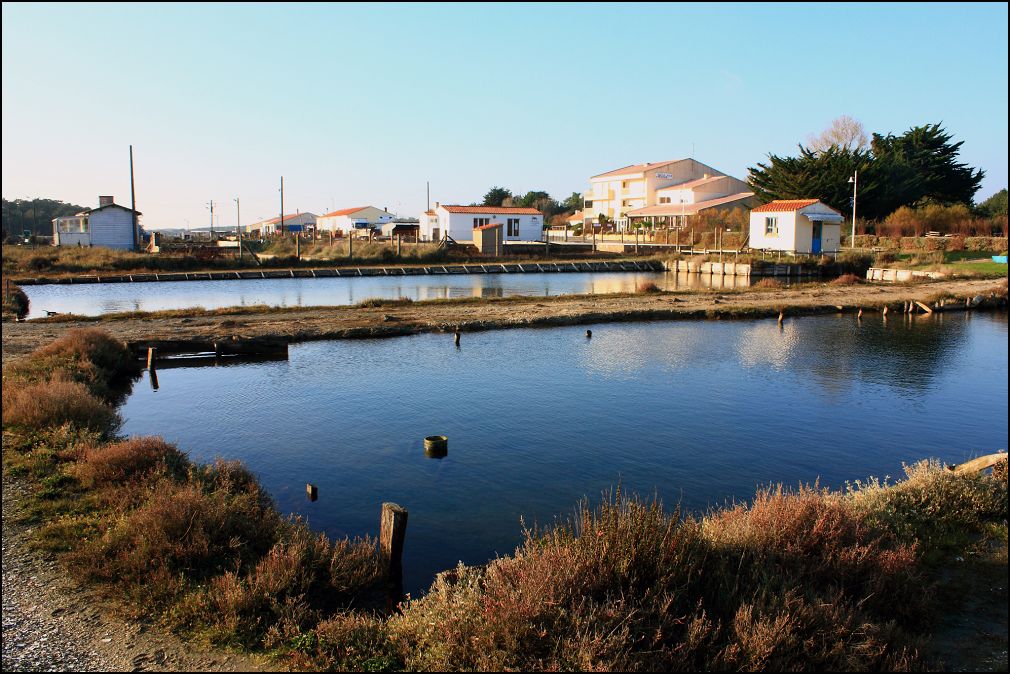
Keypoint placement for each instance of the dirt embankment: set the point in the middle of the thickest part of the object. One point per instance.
(392, 319)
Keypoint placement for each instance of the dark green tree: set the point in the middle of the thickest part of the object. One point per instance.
(496, 196)
(994, 206)
(919, 165)
(35, 215)
(928, 153)
(573, 203)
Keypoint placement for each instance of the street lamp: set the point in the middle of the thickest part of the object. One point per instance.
(854, 180)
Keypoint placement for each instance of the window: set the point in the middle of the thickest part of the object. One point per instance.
(664, 200)
(513, 227)
(588, 204)
(480, 222)
(772, 226)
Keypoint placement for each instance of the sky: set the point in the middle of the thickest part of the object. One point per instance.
(363, 104)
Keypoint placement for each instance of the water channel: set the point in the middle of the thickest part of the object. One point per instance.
(696, 412)
(100, 298)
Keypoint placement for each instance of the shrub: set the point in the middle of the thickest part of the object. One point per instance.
(939, 509)
(846, 280)
(15, 301)
(54, 403)
(768, 283)
(88, 356)
(182, 531)
(648, 287)
(129, 459)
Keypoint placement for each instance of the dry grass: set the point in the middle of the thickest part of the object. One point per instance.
(648, 287)
(768, 283)
(53, 403)
(846, 280)
(131, 459)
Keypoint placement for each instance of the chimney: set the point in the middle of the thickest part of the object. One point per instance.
(105, 201)
(436, 205)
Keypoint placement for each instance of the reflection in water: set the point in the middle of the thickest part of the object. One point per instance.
(93, 299)
(695, 412)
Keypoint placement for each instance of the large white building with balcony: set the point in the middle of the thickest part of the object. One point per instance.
(661, 192)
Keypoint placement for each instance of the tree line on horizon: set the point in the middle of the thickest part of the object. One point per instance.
(34, 215)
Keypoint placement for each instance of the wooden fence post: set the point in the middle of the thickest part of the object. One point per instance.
(392, 529)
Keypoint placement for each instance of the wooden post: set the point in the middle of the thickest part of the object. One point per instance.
(154, 378)
(152, 354)
(312, 491)
(392, 529)
(456, 337)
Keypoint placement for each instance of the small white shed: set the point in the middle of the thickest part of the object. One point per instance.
(110, 225)
(796, 226)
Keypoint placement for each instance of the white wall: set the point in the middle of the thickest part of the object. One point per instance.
(111, 227)
(460, 225)
(786, 239)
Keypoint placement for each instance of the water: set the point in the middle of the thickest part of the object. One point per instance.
(102, 298)
(695, 412)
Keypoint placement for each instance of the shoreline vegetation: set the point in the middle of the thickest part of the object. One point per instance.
(802, 578)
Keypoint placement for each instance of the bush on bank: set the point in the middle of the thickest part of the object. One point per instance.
(797, 579)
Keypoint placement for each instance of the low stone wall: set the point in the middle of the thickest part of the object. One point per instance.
(900, 275)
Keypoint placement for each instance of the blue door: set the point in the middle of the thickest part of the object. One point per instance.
(815, 243)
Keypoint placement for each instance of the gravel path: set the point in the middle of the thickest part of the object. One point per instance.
(51, 624)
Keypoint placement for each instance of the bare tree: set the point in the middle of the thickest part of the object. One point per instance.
(845, 132)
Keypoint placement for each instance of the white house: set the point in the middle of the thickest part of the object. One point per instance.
(796, 226)
(667, 192)
(459, 222)
(364, 218)
(110, 225)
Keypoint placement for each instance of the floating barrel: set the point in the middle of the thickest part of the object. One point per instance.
(436, 446)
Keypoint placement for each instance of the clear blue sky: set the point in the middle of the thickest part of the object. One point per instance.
(360, 105)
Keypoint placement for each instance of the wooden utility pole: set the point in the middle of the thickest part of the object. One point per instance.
(281, 223)
(133, 202)
(211, 219)
(238, 226)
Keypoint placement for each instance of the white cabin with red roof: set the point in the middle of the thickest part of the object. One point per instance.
(804, 226)
(459, 222)
(359, 219)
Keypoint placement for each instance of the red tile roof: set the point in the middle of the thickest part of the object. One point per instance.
(636, 168)
(489, 226)
(492, 210)
(784, 205)
(344, 211)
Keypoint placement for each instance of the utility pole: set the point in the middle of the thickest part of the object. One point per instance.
(282, 206)
(211, 219)
(133, 202)
(238, 226)
(855, 185)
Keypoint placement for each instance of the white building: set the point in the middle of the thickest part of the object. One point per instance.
(359, 219)
(458, 222)
(796, 226)
(296, 222)
(110, 226)
(662, 192)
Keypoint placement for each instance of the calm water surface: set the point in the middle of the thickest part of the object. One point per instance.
(696, 412)
(101, 298)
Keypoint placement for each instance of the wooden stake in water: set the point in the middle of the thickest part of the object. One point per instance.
(392, 530)
(152, 353)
